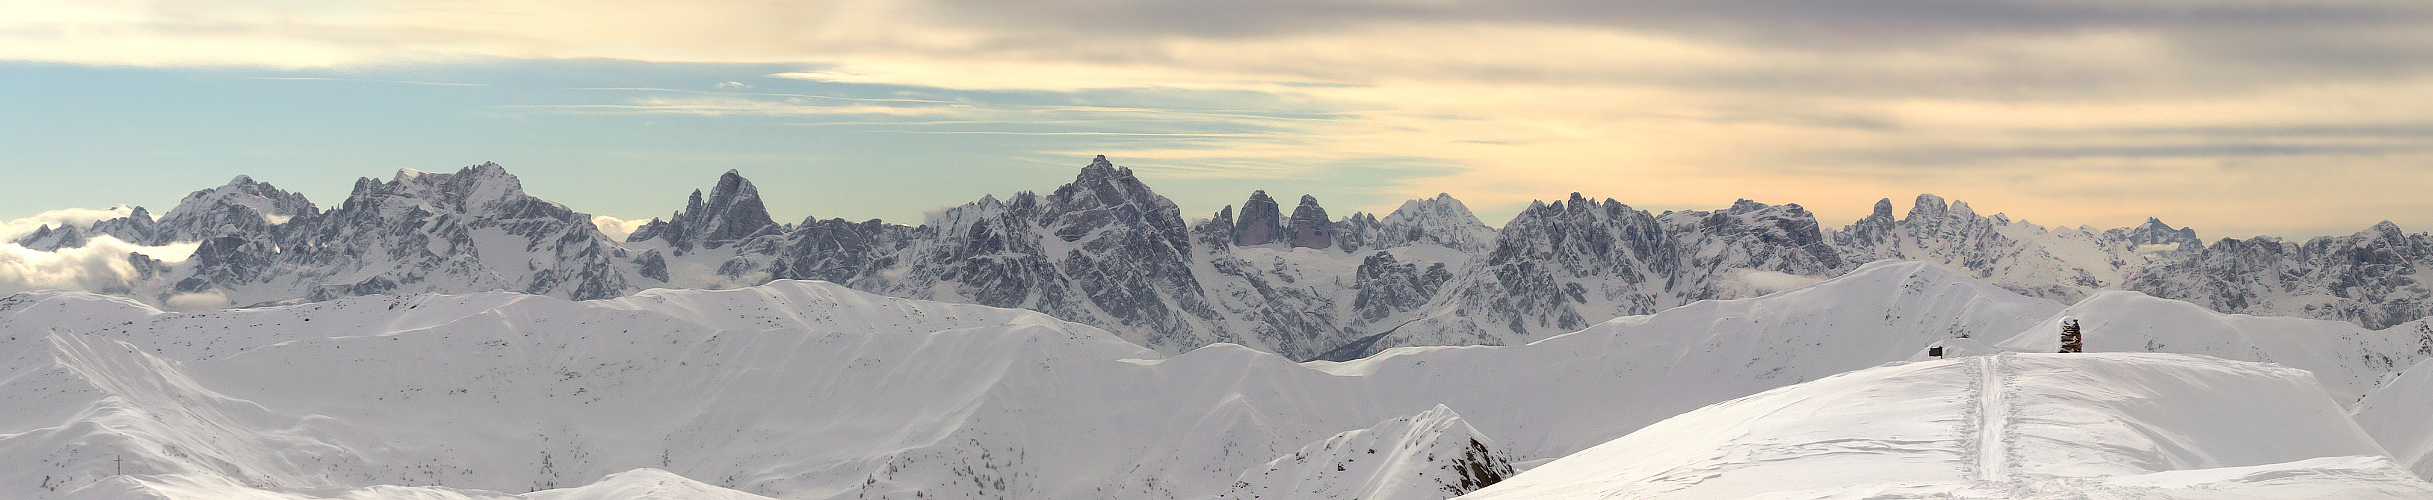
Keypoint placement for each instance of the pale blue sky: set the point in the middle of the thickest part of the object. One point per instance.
(585, 133)
(2282, 117)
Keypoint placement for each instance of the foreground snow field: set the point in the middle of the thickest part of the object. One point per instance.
(808, 390)
(2098, 426)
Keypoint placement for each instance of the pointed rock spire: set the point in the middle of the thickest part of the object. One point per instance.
(1310, 226)
(1261, 221)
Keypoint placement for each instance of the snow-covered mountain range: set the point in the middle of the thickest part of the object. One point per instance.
(1107, 251)
(812, 390)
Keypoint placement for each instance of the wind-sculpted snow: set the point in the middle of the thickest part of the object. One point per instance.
(2395, 414)
(812, 390)
(1429, 456)
(2097, 426)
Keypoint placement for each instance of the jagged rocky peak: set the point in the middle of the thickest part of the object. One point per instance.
(1310, 227)
(1883, 210)
(50, 239)
(1262, 221)
(2155, 232)
(1217, 232)
(1928, 207)
(272, 204)
(1441, 208)
(1931, 209)
(1440, 221)
(733, 212)
(486, 188)
(1873, 234)
(242, 206)
(1102, 185)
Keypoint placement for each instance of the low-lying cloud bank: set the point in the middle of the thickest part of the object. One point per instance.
(98, 266)
(79, 217)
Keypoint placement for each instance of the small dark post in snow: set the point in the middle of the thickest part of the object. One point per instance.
(2069, 335)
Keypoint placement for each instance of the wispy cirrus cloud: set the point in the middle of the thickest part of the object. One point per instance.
(1662, 103)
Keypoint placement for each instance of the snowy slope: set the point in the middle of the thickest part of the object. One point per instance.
(2349, 360)
(637, 484)
(2397, 414)
(1428, 456)
(2100, 426)
(811, 390)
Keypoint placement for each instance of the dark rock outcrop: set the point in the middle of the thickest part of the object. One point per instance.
(1310, 228)
(1261, 223)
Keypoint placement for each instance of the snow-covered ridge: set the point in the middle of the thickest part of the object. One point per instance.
(2110, 425)
(803, 389)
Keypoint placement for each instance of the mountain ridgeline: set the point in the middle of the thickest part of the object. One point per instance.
(1107, 251)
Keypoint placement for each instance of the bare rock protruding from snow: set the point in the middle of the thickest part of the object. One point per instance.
(1103, 249)
(241, 207)
(1430, 456)
(2111, 425)
(1262, 221)
(50, 239)
(2370, 278)
(474, 229)
(732, 212)
(2062, 264)
(1387, 286)
(2154, 233)
(1564, 266)
(1246, 277)
(1310, 227)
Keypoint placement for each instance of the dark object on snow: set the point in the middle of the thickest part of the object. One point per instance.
(2069, 335)
(1936, 351)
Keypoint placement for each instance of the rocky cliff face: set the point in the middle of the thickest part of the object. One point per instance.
(471, 230)
(2060, 263)
(733, 212)
(1559, 267)
(2372, 278)
(240, 207)
(1310, 228)
(1261, 222)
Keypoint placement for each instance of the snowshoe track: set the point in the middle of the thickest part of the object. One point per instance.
(1994, 414)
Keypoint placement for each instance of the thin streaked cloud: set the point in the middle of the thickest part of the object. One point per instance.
(1655, 102)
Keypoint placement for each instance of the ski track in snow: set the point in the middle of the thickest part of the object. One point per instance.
(1994, 410)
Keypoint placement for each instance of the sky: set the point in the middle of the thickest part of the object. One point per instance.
(2236, 117)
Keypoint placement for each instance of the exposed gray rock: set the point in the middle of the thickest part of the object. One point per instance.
(733, 212)
(1261, 223)
(1107, 251)
(48, 239)
(652, 264)
(2372, 277)
(1310, 228)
